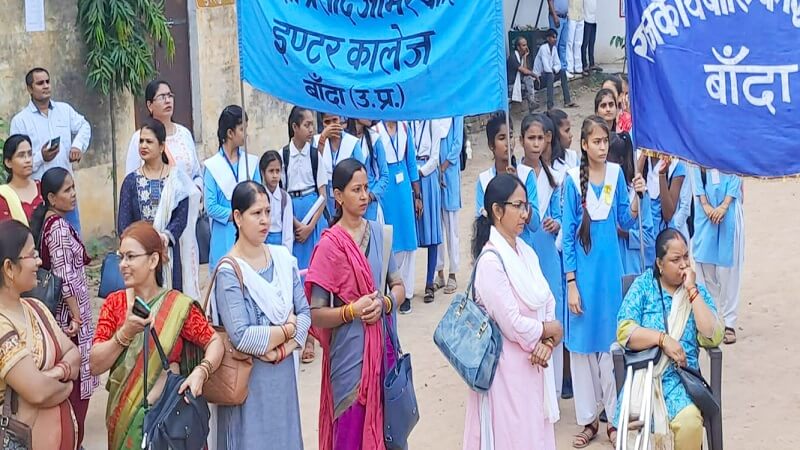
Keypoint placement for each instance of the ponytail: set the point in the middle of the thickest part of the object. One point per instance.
(584, 231)
(483, 226)
(550, 178)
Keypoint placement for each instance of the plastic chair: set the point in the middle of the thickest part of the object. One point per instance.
(713, 425)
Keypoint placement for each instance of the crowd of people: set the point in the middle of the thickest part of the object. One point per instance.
(297, 257)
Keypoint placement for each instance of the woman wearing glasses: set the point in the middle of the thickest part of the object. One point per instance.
(63, 253)
(182, 330)
(165, 197)
(180, 149)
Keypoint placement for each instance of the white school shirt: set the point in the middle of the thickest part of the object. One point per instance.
(281, 220)
(301, 177)
(546, 60)
(590, 11)
(428, 135)
(61, 121)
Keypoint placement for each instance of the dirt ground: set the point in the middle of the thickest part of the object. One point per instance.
(760, 397)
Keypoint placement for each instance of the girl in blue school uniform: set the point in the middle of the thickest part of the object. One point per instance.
(718, 241)
(499, 137)
(403, 198)
(281, 230)
(427, 135)
(335, 145)
(450, 175)
(595, 205)
(227, 168)
(375, 162)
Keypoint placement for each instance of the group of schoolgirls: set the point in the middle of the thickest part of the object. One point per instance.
(585, 219)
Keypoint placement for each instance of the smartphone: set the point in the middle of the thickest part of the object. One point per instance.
(55, 142)
(140, 308)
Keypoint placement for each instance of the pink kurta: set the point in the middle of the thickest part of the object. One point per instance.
(516, 398)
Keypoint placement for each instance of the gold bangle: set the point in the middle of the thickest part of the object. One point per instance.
(343, 315)
(661, 340)
(122, 342)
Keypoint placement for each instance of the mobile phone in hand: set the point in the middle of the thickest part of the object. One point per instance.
(55, 142)
(140, 308)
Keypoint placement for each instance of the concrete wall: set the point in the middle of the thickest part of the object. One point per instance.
(59, 49)
(608, 24)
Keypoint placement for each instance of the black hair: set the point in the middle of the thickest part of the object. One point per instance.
(229, 119)
(617, 83)
(494, 125)
(321, 117)
(662, 242)
(160, 131)
(352, 129)
(499, 190)
(342, 175)
(551, 32)
(620, 151)
(295, 118)
(267, 158)
(52, 182)
(558, 117)
(599, 98)
(10, 148)
(151, 89)
(517, 40)
(584, 231)
(32, 72)
(244, 196)
(13, 237)
(547, 125)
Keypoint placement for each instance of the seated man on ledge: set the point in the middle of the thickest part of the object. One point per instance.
(520, 74)
(548, 67)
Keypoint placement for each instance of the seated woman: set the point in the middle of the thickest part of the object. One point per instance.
(38, 362)
(182, 329)
(64, 254)
(165, 197)
(668, 292)
(347, 305)
(522, 405)
(266, 315)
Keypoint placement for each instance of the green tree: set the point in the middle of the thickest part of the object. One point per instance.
(120, 36)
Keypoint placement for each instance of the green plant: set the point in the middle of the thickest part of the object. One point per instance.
(619, 42)
(120, 37)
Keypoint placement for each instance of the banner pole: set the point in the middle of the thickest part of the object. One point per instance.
(244, 123)
(505, 91)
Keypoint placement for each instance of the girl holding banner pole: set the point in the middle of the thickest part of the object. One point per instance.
(595, 204)
(405, 196)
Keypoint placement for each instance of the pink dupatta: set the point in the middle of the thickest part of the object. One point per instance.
(335, 252)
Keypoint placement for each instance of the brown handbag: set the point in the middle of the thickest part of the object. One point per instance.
(14, 435)
(227, 386)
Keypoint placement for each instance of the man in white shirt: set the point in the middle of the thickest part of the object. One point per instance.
(547, 67)
(59, 134)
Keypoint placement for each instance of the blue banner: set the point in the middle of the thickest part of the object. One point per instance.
(716, 82)
(377, 59)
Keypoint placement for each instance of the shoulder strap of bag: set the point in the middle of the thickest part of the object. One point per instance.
(470, 293)
(286, 165)
(314, 164)
(284, 201)
(48, 327)
(236, 269)
(11, 401)
(388, 236)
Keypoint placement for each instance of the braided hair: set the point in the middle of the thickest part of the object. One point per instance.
(589, 124)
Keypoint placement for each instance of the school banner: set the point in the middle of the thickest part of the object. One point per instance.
(716, 82)
(377, 59)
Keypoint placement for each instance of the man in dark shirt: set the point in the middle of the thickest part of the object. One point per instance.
(521, 79)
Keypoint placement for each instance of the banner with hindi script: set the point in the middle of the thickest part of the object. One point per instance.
(377, 59)
(716, 82)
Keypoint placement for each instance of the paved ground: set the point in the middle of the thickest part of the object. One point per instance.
(760, 395)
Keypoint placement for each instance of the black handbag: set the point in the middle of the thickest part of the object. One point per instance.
(110, 276)
(400, 414)
(203, 235)
(175, 421)
(47, 290)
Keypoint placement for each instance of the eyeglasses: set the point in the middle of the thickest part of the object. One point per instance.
(128, 257)
(163, 97)
(34, 255)
(524, 207)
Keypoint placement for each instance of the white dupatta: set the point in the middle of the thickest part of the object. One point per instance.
(599, 208)
(177, 187)
(516, 90)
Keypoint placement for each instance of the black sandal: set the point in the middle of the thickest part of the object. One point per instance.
(429, 294)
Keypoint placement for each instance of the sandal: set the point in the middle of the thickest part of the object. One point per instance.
(612, 434)
(429, 294)
(730, 336)
(586, 436)
(308, 352)
(438, 282)
(451, 286)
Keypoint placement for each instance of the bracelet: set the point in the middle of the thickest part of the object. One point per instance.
(285, 334)
(693, 296)
(207, 364)
(387, 301)
(661, 340)
(352, 312)
(205, 370)
(122, 341)
(66, 369)
(342, 311)
(548, 342)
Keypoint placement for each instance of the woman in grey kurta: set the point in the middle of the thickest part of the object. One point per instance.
(270, 416)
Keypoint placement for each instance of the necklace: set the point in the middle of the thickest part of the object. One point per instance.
(160, 173)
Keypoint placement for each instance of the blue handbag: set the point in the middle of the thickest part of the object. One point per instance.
(400, 412)
(469, 338)
(110, 276)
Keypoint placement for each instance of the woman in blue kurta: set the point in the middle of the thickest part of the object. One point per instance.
(335, 145)
(375, 162)
(718, 241)
(450, 170)
(229, 166)
(403, 199)
(668, 293)
(595, 203)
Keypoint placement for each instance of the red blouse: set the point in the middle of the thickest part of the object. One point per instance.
(5, 212)
(196, 328)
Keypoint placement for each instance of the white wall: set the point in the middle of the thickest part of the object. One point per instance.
(608, 24)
